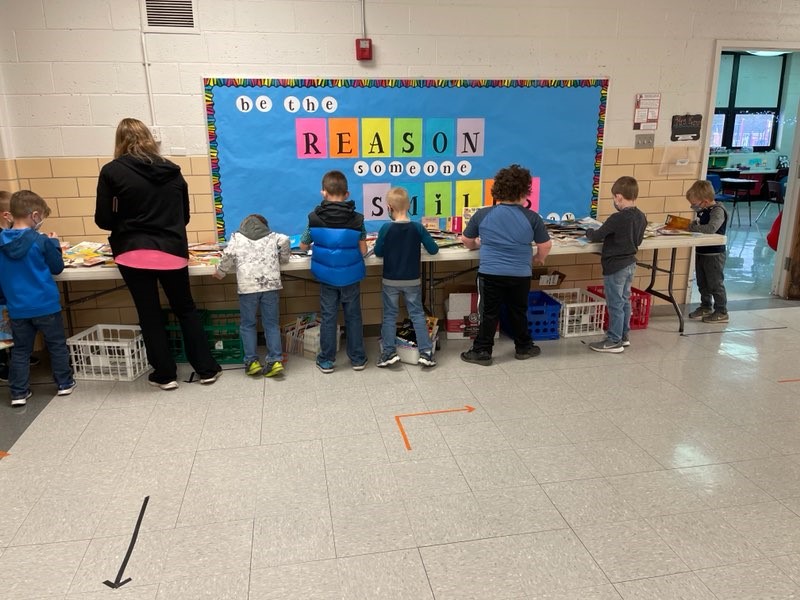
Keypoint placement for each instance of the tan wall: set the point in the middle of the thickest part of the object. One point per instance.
(68, 185)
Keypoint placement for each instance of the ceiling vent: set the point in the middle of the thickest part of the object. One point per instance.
(169, 16)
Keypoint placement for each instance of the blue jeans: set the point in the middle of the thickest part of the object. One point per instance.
(349, 296)
(24, 333)
(248, 309)
(413, 296)
(618, 298)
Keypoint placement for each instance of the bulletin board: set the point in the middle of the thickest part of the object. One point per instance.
(272, 140)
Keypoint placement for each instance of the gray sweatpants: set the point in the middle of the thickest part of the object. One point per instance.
(710, 281)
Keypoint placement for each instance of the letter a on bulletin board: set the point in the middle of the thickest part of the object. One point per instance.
(272, 140)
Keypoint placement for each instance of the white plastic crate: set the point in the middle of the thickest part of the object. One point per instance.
(108, 352)
(582, 312)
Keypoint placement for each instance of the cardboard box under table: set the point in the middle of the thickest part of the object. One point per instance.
(462, 318)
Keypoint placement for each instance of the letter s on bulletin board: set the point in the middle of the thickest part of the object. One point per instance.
(272, 140)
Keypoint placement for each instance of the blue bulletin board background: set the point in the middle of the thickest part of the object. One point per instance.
(271, 141)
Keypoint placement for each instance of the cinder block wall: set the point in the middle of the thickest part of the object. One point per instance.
(69, 185)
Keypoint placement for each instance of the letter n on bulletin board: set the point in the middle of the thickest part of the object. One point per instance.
(272, 140)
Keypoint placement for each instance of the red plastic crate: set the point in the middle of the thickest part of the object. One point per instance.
(640, 306)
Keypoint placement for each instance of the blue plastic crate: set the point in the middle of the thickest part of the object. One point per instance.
(543, 316)
(544, 312)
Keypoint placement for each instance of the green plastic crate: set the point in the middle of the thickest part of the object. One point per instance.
(222, 331)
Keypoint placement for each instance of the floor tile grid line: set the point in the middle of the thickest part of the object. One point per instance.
(43, 496)
(472, 491)
(599, 566)
(330, 507)
(695, 571)
(427, 574)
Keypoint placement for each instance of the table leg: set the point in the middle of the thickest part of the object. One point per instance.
(670, 295)
(67, 307)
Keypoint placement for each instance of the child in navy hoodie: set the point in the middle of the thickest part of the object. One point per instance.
(398, 244)
(28, 261)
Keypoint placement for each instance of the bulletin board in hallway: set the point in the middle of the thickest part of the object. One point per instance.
(271, 141)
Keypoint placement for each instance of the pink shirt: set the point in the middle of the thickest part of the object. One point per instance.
(151, 259)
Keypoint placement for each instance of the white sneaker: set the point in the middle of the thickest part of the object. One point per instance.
(170, 385)
(212, 379)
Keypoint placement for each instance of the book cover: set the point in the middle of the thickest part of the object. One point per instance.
(676, 222)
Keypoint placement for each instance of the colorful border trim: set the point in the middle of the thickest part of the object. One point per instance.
(211, 82)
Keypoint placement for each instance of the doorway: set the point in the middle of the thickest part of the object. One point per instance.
(752, 135)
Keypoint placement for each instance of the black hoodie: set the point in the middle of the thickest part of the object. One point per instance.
(144, 204)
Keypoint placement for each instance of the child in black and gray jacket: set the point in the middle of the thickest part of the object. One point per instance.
(709, 261)
(621, 234)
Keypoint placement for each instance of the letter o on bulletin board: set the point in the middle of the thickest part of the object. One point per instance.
(272, 140)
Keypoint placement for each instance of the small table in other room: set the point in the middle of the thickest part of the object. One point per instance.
(737, 185)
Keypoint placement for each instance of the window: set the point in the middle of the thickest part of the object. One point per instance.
(748, 101)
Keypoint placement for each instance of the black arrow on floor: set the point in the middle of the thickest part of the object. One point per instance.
(117, 583)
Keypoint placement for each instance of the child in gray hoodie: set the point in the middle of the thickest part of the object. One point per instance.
(256, 253)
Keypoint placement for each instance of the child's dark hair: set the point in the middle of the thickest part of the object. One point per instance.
(25, 202)
(335, 183)
(5, 201)
(627, 187)
(511, 183)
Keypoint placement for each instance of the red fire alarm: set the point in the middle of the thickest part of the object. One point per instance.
(363, 49)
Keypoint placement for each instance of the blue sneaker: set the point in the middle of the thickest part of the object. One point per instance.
(66, 390)
(326, 366)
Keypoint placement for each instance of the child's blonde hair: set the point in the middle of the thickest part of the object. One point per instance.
(397, 198)
(701, 190)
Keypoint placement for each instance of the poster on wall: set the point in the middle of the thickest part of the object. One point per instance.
(272, 140)
(645, 111)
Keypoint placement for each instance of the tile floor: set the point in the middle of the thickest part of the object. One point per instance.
(671, 471)
(748, 269)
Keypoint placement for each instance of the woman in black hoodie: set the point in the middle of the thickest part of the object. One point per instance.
(143, 200)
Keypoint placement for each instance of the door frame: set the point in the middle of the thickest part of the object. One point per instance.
(780, 276)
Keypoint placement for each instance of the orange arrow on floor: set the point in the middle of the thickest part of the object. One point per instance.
(467, 408)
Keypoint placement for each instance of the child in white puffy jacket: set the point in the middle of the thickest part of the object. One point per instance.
(256, 253)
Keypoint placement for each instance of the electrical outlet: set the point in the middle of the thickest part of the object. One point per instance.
(156, 131)
(645, 140)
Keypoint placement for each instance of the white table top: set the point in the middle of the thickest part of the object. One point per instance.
(302, 263)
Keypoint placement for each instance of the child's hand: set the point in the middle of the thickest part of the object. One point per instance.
(218, 274)
(53, 235)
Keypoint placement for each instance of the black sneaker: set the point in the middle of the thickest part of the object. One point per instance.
(626, 341)
(700, 312)
(716, 317)
(527, 353)
(478, 357)
(426, 359)
(387, 358)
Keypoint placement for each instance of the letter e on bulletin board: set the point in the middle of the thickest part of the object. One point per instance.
(272, 140)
